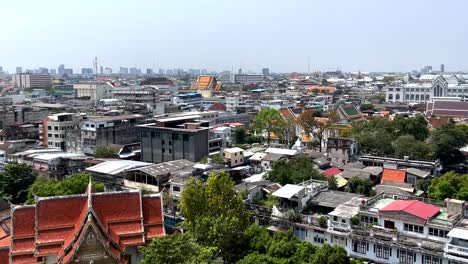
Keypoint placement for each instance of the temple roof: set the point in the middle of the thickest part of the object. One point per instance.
(55, 226)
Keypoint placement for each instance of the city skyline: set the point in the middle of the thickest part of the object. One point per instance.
(362, 35)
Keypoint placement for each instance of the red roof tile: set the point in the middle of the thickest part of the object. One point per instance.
(24, 259)
(393, 175)
(332, 172)
(23, 221)
(413, 207)
(4, 255)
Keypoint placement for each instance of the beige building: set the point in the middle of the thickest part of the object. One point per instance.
(95, 91)
(234, 156)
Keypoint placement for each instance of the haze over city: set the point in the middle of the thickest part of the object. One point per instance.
(223, 35)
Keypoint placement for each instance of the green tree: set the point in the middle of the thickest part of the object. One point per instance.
(73, 184)
(448, 140)
(449, 185)
(327, 254)
(15, 179)
(360, 186)
(217, 159)
(407, 145)
(294, 171)
(365, 107)
(269, 120)
(177, 249)
(214, 212)
(315, 126)
(415, 126)
(104, 152)
(322, 221)
(332, 184)
(239, 135)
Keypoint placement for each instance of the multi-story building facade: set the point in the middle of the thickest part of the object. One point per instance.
(32, 80)
(137, 95)
(428, 89)
(174, 138)
(56, 129)
(103, 131)
(95, 91)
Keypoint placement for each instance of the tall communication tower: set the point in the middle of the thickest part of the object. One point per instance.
(95, 64)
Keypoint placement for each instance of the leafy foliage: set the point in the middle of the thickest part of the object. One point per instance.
(73, 184)
(217, 159)
(316, 127)
(15, 180)
(407, 145)
(104, 152)
(240, 134)
(359, 185)
(269, 120)
(294, 171)
(449, 185)
(214, 213)
(448, 140)
(365, 107)
(322, 221)
(176, 249)
(332, 184)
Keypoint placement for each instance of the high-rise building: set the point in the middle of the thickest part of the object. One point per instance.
(32, 80)
(161, 71)
(68, 71)
(135, 71)
(19, 69)
(53, 71)
(1, 69)
(87, 71)
(442, 68)
(266, 72)
(108, 71)
(101, 70)
(149, 71)
(123, 70)
(61, 69)
(43, 70)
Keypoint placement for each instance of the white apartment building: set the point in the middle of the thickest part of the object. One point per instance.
(392, 229)
(427, 89)
(58, 127)
(95, 91)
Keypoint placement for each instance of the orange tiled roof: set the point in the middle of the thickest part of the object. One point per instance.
(393, 175)
(125, 218)
(206, 82)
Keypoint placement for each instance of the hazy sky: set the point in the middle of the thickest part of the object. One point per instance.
(366, 35)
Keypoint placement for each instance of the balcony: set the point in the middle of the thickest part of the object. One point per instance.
(457, 250)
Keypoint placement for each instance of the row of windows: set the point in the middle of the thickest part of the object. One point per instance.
(174, 136)
(385, 252)
(60, 128)
(438, 232)
(413, 228)
(369, 219)
(56, 144)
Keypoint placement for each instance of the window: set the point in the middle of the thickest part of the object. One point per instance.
(175, 136)
(92, 125)
(414, 228)
(49, 135)
(437, 232)
(406, 256)
(49, 127)
(185, 137)
(162, 142)
(335, 218)
(360, 246)
(176, 188)
(382, 251)
(56, 128)
(428, 259)
(170, 151)
(101, 125)
(369, 219)
(338, 240)
(163, 150)
(319, 240)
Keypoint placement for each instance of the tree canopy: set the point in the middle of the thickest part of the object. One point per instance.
(360, 186)
(73, 184)
(315, 126)
(104, 152)
(15, 179)
(448, 140)
(214, 212)
(269, 120)
(239, 135)
(295, 170)
(449, 185)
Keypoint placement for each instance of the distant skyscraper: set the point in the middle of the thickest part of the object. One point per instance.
(123, 70)
(68, 71)
(149, 71)
(1, 69)
(442, 68)
(239, 71)
(19, 69)
(43, 71)
(87, 71)
(101, 70)
(266, 71)
(135, 71)
(161, 71)
(61, 69)
(53, 72)
(108, 71)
